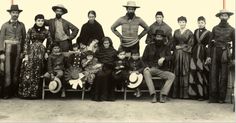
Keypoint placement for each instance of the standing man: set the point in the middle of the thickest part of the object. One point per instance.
(130, 24)
(12, 37)
(60, 29)
(157, 57)
(223, 40)
(159, 24)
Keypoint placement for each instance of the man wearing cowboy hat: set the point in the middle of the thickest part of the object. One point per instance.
(157, 57)
(12, 38)
(223, 41)
(60, 29)
(130, 23)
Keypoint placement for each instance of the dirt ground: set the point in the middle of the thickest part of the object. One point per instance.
(73, 109)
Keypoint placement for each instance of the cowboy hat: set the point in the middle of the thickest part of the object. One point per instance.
(131, 4)
(55, 85)
(14, 8)
(59, 6)
(135, 80)
(224, 11)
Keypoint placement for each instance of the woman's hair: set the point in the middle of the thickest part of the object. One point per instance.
(159, 13)
(107, 39)
(39, 16)
(182, 18)
(201, 18)
(92, 12)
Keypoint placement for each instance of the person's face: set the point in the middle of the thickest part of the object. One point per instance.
(201, 24)
(59, 12)
(82, 46)
(91, 17)
(89, 57)
(39, 22)
(135, 56)
(159, 18)
(224, 16)
(182, 24)
(106, 44)
(75, 48)
(121, 55)
(14, 15)
(56, 49)
(131, 9)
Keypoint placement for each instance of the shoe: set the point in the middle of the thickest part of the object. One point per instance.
(63, 94)
(154, 98)
(6, 97)
(221, 102)
(212, 101)
(162, 98)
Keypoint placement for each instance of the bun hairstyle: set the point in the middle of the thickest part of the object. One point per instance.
(39, 16)
(182, 18)
(201, 18)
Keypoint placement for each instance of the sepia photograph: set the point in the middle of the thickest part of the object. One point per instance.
(117, 61)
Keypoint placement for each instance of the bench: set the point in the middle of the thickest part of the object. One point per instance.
(125, 89)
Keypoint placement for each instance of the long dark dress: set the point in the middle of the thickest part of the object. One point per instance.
(181, 62)
(198, 79)
(90, 32)
(103, 87)
(31, 70)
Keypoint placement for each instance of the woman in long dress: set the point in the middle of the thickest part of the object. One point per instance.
(182, 42)
(33, 63)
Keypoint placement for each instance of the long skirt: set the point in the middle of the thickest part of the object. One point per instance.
(31, 70)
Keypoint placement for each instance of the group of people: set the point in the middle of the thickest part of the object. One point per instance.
(194, 65)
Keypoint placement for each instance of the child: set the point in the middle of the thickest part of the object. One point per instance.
(91, 66)
(136, 65)
(76, 57)
(120, 74)
(56, 65)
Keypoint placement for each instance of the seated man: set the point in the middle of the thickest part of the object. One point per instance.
(157, 56)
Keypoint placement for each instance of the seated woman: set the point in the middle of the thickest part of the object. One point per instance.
(102, 86)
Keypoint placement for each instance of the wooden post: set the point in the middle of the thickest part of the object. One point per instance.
(224, 4)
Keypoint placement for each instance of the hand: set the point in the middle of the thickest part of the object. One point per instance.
(46, 56)
(2, 57)
(160, 61)
(208, 60)
(26, 58)
(178, 47)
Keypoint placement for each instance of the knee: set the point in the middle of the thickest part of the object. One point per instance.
(171, 76)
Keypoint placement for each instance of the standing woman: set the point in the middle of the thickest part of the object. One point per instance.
(183, 41)
(33, 62)
(199, 70)
(103, 87)
(92, 30)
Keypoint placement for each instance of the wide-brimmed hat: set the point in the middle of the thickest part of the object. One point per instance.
(224, 11)
(55, 85)
(14, 8)
(131, 4)
(59, 6)
(135, 80)
(159, 32)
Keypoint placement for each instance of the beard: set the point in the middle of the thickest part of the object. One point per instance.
(223, 21)
(58, 16)
(130, 15)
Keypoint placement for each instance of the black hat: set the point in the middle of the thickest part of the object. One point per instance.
(14, 8)
(160, 32)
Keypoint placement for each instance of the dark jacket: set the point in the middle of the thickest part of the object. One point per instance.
(9, 32)
(67, 27)
(56, 62)
(90, 32)
(153, 53)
